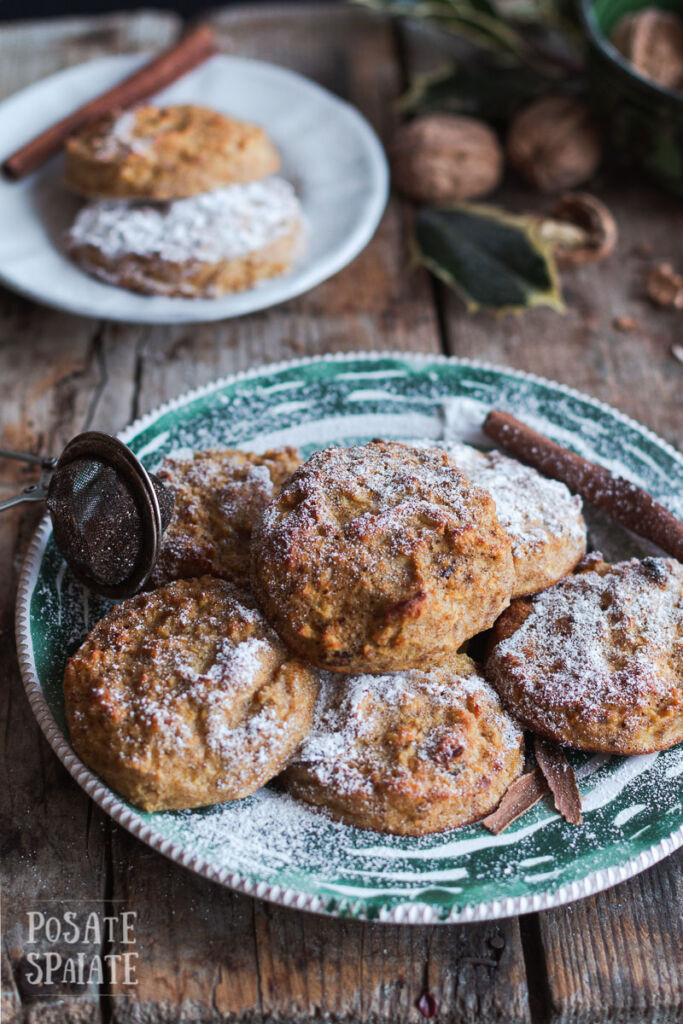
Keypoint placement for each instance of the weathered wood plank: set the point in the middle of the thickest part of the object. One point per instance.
(208, 954)
(33, 49)
(51, 367)
(618, 956)
(205, 953)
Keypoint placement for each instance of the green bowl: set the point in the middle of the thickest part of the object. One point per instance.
(644, 122)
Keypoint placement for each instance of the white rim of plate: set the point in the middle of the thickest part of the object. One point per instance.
(412, 913)
(304, 278)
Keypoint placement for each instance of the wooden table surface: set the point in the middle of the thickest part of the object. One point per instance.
(206, 954)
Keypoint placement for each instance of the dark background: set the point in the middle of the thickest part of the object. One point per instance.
(19, 9)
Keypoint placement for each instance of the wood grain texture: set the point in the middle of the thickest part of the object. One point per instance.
(211, 955)
(618, 956)
(33, 49)
(54, 839)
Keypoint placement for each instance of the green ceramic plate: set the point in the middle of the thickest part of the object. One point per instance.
(269, 846)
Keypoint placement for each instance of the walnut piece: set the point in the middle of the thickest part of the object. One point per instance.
(625, 324)
(652, 40)
(554, 143)
(441, 158)
(665, 286)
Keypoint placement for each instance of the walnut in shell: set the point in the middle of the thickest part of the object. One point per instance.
(652, 40)
(441, 158)
(554, 143)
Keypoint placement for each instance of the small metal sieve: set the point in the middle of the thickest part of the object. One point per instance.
(108, 513)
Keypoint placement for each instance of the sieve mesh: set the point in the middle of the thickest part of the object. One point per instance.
(108, 513)
(96, 521)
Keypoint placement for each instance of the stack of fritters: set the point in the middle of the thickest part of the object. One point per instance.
(184, 202)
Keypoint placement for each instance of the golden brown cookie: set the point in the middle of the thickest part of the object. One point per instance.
(380, 556)
(410, 752)
(163, 153)
(219, 495)
(542, 516)
(596, 661)
(185, 697)
(202, 247)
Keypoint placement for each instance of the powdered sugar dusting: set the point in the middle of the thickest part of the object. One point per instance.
(219, 225)
(234, 727)
(219, 495)
(601, 640)
(121, 138)
(394, 483)
(228, 479)
(528, 505)
(359, 717)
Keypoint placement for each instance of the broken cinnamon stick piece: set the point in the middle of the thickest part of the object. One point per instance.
(194, 48)
(624, 501)
(560, 776)
(526, 791)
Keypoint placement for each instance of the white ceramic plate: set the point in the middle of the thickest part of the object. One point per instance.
(329, 153)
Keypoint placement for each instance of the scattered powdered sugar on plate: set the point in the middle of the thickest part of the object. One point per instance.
(269, 826)
(214, 226)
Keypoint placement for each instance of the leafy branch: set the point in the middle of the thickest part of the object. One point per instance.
(535, 34)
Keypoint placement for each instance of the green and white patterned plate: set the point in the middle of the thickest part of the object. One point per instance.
(268, 845)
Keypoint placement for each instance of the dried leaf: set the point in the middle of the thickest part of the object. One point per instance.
(478, 24)
(492, 259)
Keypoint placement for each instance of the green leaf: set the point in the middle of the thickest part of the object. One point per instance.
(492, 259)
(491, 91)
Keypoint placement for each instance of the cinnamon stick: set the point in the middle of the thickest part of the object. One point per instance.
(559, 775)
(524, 792)
(188, 53)
(628, 504)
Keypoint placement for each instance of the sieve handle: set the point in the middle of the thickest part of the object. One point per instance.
(34, 492)
(46, 461)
